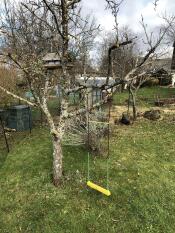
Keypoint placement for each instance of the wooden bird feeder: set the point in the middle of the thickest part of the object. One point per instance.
(52, 61)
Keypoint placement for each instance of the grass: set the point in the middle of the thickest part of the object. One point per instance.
(146, 96)
(142, 174)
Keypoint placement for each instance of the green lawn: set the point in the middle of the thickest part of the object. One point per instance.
(146, 96)
(142, 182)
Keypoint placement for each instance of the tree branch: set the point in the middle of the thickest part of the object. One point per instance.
(71, 3)
(55, 18)
(17, 97)
(113, 47)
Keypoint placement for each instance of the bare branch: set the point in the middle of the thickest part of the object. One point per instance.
(55, 18)
(114, 6)
(17, 97)
(113, 47)
(155, 3)
(71, 3)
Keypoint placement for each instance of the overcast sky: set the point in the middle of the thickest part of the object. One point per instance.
(130, 12)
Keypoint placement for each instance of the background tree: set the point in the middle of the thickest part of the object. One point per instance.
(141, 66)
(83, 41)
(8, 80)
(123, 58)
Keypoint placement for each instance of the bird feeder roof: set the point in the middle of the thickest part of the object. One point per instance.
(51, 57)
(53, 61)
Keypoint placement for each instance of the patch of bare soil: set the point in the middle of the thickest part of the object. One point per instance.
(116, 111)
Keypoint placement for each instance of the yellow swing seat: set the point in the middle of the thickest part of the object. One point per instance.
(98, 188)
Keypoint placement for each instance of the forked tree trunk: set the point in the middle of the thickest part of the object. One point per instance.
(129, 102)
(57, 149)
(173, 58)
(57, 161)
(134, 108)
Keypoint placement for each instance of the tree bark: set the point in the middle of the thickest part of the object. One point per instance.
(129, 102)
(134, 109)
(57, 161)
(56, 141)
(65, 33)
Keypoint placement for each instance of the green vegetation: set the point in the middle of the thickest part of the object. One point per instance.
(38, 115)
(146, 96)
(142, 174)
(54, 108)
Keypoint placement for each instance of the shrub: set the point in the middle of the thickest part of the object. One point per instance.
(8, 81)
(77, 132)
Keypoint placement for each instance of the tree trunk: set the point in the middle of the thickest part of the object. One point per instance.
(129, 102)
(173, 58)
(123, 87)
(56, 141)
(134, 109)
(57, 161)
(65, 29)
(84, 65)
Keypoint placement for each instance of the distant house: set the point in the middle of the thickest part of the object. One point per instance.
(163, 64)
(162, 71)
(167, 65)
(96, 81)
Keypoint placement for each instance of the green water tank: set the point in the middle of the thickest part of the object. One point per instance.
(19, 118)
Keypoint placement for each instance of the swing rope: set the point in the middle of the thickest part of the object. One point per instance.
(98, 188)
(88, 178)
(108, 156)
(88, 131)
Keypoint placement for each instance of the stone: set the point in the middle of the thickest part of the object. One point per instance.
(125, 119)
(152, 115)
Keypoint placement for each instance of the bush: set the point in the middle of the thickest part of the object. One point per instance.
(76, 132)
(8, 81)
(98, 129)
(151, 83)
(153, 115)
